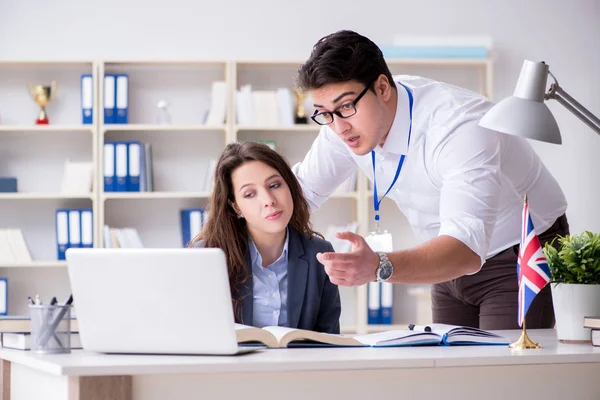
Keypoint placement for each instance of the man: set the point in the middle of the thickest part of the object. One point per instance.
(460, 186)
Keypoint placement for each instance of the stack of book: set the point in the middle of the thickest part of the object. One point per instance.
(594, 324)
(16, 332)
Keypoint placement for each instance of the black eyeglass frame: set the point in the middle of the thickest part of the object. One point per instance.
(338, 113)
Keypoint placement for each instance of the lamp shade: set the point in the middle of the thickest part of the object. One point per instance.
(525, 114)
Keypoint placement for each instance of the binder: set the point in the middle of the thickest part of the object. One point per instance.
(109, 167)
(121, 166)
(195, 223)
(374, 303)
(134, 167)
(3, 296)
(185, 227)
(191, 224)
(143, 168)
(147, 169)
(109, 98)
(387, 302)
(74, 228)
(122, 98)
(87, 228)
(87, 99)
(62, 232)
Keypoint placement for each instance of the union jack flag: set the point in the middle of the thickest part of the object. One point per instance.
(532, 267)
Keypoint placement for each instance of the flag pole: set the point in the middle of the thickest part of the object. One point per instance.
(524, 342)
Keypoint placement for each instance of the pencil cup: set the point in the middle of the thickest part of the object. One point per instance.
(50, 328)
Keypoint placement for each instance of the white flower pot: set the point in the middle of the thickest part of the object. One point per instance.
(572, 302)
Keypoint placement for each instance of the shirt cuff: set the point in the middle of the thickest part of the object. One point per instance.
(471, 232)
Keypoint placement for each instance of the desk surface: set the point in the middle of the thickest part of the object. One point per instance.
(82, 363)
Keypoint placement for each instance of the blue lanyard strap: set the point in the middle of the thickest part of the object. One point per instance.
(376, 199)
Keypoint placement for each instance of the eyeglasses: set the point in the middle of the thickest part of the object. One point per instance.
(344, 111)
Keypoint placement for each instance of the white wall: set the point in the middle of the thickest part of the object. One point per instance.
(565, 34)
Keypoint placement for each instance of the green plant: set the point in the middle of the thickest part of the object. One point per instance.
(576, 259)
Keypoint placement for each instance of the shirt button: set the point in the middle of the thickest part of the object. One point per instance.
(275, 294)
(276, 313)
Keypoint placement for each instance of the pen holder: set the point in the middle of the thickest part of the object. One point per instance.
(50, 328)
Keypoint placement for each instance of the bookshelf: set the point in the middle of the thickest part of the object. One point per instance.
(36, 155)
(180, 151)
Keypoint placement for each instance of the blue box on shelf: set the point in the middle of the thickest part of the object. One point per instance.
(8, 185)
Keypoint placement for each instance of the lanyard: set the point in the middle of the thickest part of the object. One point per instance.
(376, 199)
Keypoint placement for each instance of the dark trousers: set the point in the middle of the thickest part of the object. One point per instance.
(489, 298)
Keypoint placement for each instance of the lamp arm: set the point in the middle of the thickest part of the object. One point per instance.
(558, 94)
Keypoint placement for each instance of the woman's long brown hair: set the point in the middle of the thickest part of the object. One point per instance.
(225, 230)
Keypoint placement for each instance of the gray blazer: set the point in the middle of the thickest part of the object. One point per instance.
(313, 301)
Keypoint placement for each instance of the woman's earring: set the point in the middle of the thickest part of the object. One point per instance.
(240, 216)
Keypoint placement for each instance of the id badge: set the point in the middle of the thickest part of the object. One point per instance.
(380, 241)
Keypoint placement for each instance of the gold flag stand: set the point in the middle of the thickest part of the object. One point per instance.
(524, 341)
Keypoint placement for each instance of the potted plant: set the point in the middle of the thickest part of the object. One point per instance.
(574, 264)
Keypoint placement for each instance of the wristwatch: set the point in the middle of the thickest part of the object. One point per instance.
(385, 269)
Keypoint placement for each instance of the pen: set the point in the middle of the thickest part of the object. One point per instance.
(31, 302)
(423, 328)
(53, 301)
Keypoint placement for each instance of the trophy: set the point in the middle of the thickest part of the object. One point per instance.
(42, 95)
(299, 112)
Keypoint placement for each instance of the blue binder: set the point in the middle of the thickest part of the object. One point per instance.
(110, 89)
(134, 166)
(191, 224)
(387, 302)
(74, 228)
(122, 99)
(374, 303)
(87, 99)
(121, 166)
(109, 166)
(62, 232)
(4, 296)
(87, 227)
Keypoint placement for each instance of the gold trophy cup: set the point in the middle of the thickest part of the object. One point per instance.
(299, 112)
(43, 95)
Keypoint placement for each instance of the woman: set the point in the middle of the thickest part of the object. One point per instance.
(260, 219)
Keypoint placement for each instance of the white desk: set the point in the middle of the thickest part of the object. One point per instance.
(557, 371)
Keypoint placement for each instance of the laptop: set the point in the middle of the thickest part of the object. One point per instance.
(153, 301)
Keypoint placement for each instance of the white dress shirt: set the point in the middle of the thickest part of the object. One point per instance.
(458, 179)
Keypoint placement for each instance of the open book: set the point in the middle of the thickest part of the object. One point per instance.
(280, 337)
(462, 335)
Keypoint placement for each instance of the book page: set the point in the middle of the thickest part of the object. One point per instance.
(398, 338)
(453, 334)
(246, 334)
(285, 336)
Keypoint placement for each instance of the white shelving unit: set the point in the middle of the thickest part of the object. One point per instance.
(180, 155)
(180, 150)
(36, 154)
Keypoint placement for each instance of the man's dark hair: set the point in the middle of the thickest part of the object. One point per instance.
(341, 57)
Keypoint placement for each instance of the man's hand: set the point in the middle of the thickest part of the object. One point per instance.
(355, 268)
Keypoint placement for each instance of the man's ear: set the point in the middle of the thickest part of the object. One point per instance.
(382, 87)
